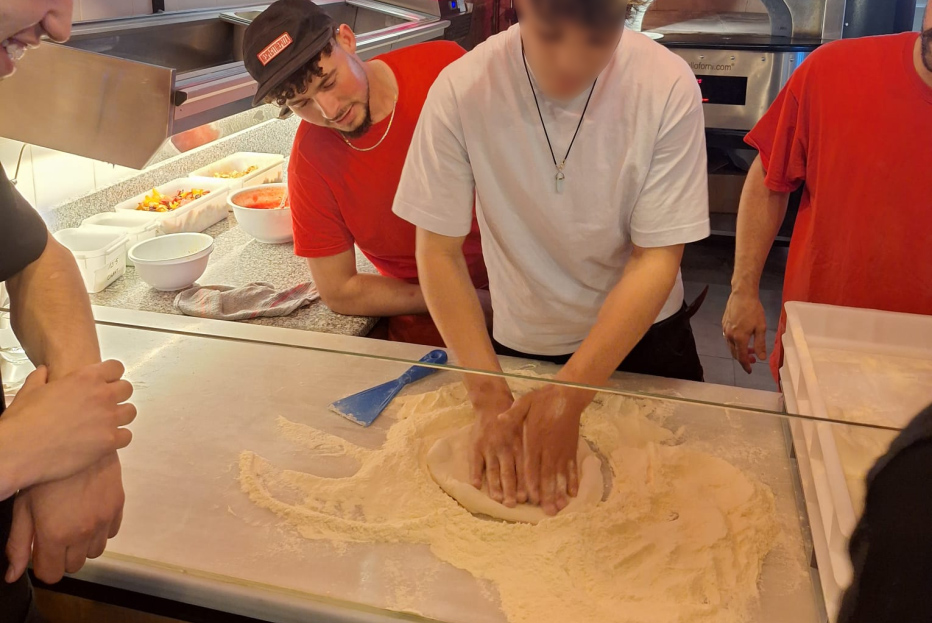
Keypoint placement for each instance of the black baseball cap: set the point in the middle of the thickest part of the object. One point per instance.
(282, 39)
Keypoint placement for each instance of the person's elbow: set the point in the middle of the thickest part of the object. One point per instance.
(56, 265)
(334, 278)
(338, 299)
(757, 191)
(663, 263)
(433, 249)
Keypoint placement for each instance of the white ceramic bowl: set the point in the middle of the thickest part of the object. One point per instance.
(172, 262)
(271, 226)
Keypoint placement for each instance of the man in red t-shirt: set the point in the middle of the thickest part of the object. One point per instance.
(347, 157)
(853, 127)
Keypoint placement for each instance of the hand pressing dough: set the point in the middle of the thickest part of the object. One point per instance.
(681, 537)
(448, 462)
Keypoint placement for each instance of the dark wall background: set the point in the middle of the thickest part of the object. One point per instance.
(878, 17)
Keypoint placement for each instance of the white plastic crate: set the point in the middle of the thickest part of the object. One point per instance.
(832, 590)
(193, 217)
(859, 365)
(849, 365)
(270, 169)
(99, 253)
(136, 226)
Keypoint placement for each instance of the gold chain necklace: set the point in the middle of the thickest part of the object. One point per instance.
(387, 130)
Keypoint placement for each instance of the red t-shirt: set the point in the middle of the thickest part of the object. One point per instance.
(340, 196)
(854, 127)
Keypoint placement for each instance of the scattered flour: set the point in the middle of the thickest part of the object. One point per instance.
(858, 450)
(681, 537)
(871, 388)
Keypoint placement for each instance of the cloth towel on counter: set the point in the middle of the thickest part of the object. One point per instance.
(246, 302)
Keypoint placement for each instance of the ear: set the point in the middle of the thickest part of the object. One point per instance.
(346, 39)
(519, 7)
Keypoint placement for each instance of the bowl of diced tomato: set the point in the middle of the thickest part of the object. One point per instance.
(261, 213)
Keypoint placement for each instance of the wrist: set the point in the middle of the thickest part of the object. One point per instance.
(15, 464)
(745, 286)
(575, 400)
(582, 373)
(489, 394)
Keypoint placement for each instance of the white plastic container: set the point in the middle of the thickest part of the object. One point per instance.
(100, 254)
(837, 365)
(172, 262)
(137, 227)
(270, 169)
(832, 591)
(850, 364)
(269, 226)
(190, 218)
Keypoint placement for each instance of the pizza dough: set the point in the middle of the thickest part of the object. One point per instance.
(680, 538)
(448, 462)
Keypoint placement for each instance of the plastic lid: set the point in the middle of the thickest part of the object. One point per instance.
(134, 222)
(90, 242)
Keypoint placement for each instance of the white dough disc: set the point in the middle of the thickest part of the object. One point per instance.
(448, 462)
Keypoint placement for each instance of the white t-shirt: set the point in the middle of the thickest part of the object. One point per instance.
(636, 174)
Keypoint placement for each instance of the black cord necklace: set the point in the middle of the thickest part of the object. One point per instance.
(560, 166)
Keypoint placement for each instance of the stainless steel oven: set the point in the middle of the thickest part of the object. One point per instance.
(743, 60)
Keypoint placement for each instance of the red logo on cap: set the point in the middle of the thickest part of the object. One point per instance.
(274, 49)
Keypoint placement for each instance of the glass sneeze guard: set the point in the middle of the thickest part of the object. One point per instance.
(245, 492)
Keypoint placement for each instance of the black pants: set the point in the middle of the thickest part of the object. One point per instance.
(667, 349)
(16, 604)
(891, 548)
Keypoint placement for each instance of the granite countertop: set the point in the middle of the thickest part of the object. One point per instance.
(237, 259)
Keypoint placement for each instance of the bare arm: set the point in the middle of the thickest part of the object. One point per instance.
(62, 522)
(348, 292)
(552, 414)
(456, 309)
(760, 216)
(629, 311)
(51, 313)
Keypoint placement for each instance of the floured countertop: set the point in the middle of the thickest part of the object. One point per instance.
(190, 532)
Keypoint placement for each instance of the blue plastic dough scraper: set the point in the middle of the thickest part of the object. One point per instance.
(364, 407)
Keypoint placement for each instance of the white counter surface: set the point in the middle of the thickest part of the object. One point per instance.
(207, 390)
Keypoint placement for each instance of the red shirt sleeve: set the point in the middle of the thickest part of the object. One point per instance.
(319, 228)
(782, 135)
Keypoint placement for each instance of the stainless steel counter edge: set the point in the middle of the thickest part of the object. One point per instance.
(230, 597)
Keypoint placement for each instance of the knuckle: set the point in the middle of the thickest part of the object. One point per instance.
(99, 393)
(87, 529)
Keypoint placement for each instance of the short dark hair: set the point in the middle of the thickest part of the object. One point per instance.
(594, 13)
(298, 82)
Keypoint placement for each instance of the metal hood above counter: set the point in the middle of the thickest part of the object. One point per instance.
(118, 89)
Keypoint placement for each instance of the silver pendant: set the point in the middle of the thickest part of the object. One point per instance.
(560, 177)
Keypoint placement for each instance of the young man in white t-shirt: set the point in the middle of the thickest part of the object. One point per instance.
(584, 147)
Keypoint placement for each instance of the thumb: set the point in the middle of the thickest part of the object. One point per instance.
(518, 412)
(760, 343)
(38, 378)
(19, 545)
